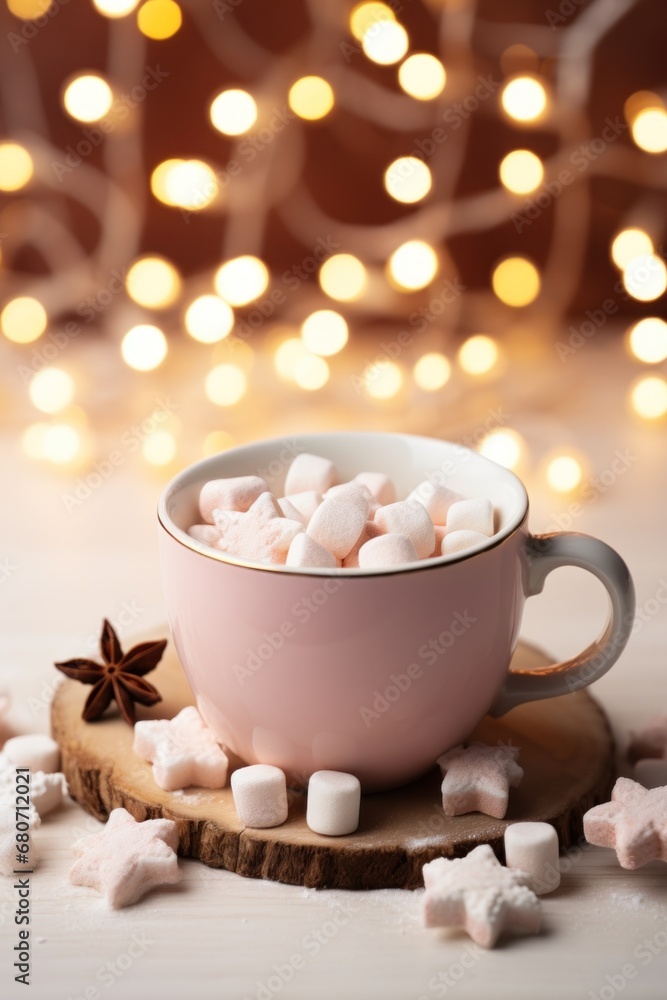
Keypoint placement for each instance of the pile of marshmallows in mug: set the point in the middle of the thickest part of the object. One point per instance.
(320, 523)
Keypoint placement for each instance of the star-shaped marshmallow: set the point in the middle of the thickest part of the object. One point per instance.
(477, 779)
(261, 534)
(634, 823)
(480, 895)
(649, 742)
(182, 750)
(46, 790)
(127, 859)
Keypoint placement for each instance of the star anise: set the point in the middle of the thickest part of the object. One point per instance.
(119, 677)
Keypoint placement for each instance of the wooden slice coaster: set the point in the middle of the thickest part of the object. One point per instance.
(567, 754)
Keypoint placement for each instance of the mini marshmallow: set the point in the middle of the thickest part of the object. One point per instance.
(290, 511)
(471, 515)
(345, 489)
(208, 534)
(261, 534)
(306, 503)
(338, 522)
(310, 472)
(334, 799)
(34, 750)
(305, 551)
(459, 541)
(370, 530)
(436, 499)
(238, 493)
(533, 848)
(410, 519)
(440, 533)
(651, 772)
(260, 795)
(381, 487)
(386, 550)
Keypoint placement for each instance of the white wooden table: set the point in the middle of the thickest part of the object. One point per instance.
(217, 935)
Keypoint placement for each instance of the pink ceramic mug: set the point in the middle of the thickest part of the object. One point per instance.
(375, 672)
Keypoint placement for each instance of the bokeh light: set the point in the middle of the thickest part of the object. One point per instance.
(521, 171)
(628, 244)
(153, 282)
(365, 15)
(209, 319)
(648, 340)
(51, 390)
(311, 98)
(226, 384)
(115, 8)
(407, 179)
(23, 320)
(311, 372)
(422, 76)
(32, 439)
(16, 166)
(343, 277)
(564, 473)
(28, 10)
(324, 332)
(478, 354)
(60, 443)
(649, 130)
(503, 446)
(88, 97)
(159, 19)
(189, 184)
(233, 112)
(287, 356)
(413, 265)
(241, 280)
(432, 371)
(144, 347)
(516, 281)
(524, 99)
(159, 448)
(385, 42)
(645, 277)
(640, 101)
(217, 441)
(383, 381)
(648, 397)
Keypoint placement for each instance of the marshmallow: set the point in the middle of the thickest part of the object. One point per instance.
(370, 530)
(290, 511)
(440, 533)
(260, 795)
(409, 519)
(310, 472)
(238, 493)
(261, 534)
(651, 773)
(436, 499)
(381, 487)
(207, 534)
(306, 503)
(634, 823)
(338, 522)
(182, 750)
(345, 489)
(459, 541)
(533, 848)
(334, 799)
(47, 791)
(305, 551)
(386, 550)
(34, 750)
(471, 515)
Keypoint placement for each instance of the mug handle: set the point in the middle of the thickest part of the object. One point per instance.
(544, 553)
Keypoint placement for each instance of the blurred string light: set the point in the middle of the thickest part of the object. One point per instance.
(385, 42)
(343, 277)
(649, 130)
(241, 280)
(645, 277)
(648, 340)
(413, 265)
(365, 15)
(478, 354)
(189, 184)
(233, 112)
(28, 10)
(115, 8)
(432, 371)
(16, 166)
(324, 332)
(383, 381)
(225, 384)
(521, 171)
(524, 99)
(23, 320)
(407, 179)
(209, 319)
(422, 76)
(311, 372)
(159, 448)
(628, 244)
(153, 282)
(159, 19)
(51, 390)
(144, 347)
(311, 98)
(648, 397)
(516, 281)
(564, 473)
(504, 446)
(88, 97)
